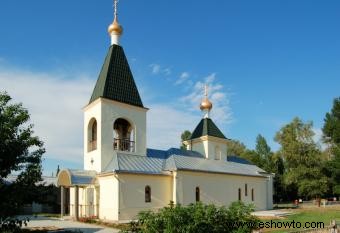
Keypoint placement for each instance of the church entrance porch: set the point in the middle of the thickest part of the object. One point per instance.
(79, 193)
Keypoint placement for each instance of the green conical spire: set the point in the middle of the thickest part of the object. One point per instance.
(115, 80)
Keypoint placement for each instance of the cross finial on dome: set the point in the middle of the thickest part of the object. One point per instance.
(206, 105)
(115, 8)
(115, 29)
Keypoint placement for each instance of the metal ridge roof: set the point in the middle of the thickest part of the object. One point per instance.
(162, 162)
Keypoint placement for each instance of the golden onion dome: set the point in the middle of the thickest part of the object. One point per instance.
(206, 104)
(115, 27)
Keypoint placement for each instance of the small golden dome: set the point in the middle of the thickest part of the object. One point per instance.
(206, 105)
(115, 28)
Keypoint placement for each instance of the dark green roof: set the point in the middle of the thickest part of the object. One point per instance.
(115, 80)
(207, 127)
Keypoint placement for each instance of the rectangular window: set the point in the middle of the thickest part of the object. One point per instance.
(252, 195)
(239, 195)
(197, 194)
(147, 194)
(246, 190)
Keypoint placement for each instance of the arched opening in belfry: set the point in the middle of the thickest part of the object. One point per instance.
(92, 135)
(123, 135)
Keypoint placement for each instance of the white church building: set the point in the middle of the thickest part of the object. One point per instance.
(122, 177)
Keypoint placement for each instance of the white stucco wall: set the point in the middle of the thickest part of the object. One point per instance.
(106, 112)
(270, 184)
(108, 197)
(132, 193)
(206, 145)
(220, 189)
(92, 111)
(122, 196)
(111, 111)
(200, 146)
(212, 144)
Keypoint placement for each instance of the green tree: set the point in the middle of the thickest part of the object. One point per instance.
(265, 155)
(331, 136)
(184, 137)
(262, 147)
(251, 156)
(261, 156)
(20, 152)
(302, 159)
(331, 128)
(235, 147)
(280, 192)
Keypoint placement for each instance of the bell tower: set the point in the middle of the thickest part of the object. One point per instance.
(115, 117)
(207, 139)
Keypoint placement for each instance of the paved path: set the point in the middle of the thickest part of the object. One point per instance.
(272, 213)
(68, 225)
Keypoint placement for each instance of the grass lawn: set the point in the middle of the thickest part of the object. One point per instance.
(315, 214)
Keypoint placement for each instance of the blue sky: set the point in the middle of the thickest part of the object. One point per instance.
(265, 61)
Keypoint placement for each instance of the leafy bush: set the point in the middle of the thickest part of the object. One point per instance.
(12, 225)
(196, 218)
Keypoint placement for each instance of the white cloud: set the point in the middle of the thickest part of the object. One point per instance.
(158, 69)
(318, 138)
(55, 106)
(55, 103)
(165, 125)
(155, 68)
(317, 134)
(210, 78)
(167, 71)
(182, 78)
(221, 111)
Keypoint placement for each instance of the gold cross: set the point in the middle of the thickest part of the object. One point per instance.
(206, 90)
(115, 7)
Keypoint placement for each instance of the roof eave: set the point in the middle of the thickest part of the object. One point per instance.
(102, 99)
(217, 172)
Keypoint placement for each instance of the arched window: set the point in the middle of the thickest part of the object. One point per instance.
(92, 135)
(239, 195)
(252, 195)
(147, 194)
(94, 131)
(246, 190)
(217, 153)
(197, 193)
(123, 135)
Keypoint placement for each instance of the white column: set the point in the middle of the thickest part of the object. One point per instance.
(62, 201)
(76, 202)
(174, 187)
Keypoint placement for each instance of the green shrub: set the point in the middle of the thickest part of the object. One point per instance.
(196, 218)
(12, 225)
